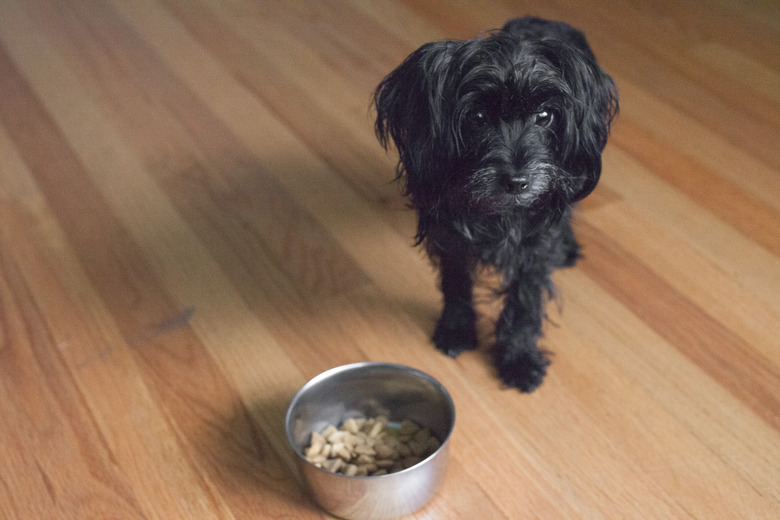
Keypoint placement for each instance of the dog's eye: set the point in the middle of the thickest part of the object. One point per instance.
(544, 117)
(478, 118)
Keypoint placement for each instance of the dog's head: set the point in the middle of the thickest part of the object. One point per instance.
(513, 120)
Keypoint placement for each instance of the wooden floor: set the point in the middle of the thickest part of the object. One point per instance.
(196, 218)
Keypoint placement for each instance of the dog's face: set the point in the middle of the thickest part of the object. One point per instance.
(508, 124)
(497, 124)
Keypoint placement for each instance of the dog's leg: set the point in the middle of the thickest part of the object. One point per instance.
(519, 361)
(456, 330)
(569, 247)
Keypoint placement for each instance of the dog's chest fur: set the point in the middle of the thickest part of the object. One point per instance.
(509, 242)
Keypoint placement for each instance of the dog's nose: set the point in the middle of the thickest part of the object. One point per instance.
(517, 184)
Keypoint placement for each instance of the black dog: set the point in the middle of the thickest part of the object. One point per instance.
(497, 138)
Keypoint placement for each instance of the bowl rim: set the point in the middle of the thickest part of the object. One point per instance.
(358, 366)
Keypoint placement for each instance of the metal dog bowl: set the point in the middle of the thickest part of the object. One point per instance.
(370, 390)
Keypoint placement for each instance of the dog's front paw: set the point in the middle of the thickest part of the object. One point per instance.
(524, 370)
(456, 331)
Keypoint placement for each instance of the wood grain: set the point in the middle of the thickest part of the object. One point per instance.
(196, 218)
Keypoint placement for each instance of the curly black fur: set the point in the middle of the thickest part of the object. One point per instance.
(497, 138)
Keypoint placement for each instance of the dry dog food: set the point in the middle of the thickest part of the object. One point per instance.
(371, 447)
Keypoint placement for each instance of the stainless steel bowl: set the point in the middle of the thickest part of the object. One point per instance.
(370, 390)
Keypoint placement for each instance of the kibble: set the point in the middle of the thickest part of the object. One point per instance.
(370, 447)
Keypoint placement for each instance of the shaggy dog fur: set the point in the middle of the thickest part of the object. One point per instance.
(498, 137)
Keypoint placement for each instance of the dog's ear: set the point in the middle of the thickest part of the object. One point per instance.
(594, 106)
(412, 107)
